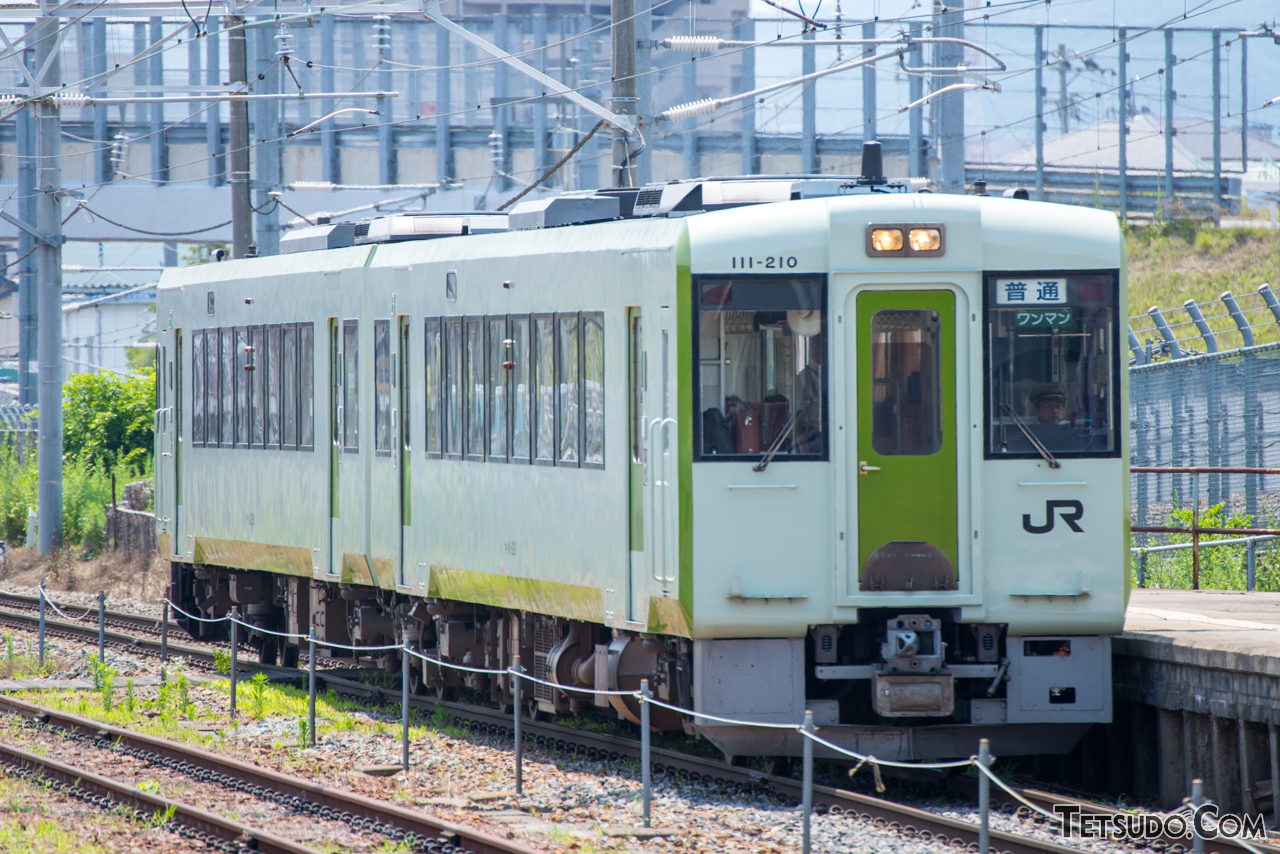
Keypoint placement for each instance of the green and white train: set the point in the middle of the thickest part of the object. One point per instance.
(774, 445)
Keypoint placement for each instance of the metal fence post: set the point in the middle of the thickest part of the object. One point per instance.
(644, 750)
(984, 797)
(1251, 565)
(41, 632)
(807, 795)
(515, 705)
(102, 627)
(164, 637)
(235, 636)
(311, 685)
(404, 706)
(1197, 801)
(1142, 568)
(1195, 532)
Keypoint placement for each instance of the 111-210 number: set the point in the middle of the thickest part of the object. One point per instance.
(771, 262)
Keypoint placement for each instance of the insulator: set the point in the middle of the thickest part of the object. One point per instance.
(284, 47)
(693, 44)
(71, 100)
(688, 111)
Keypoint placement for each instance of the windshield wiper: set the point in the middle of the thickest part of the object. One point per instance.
(1035, 443)
(777, 443)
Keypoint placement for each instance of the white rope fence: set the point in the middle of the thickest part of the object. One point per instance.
(645, 699)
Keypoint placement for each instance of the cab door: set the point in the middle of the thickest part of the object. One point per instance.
(904, 454)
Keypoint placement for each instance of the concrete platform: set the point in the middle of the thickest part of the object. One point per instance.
(1197, 692)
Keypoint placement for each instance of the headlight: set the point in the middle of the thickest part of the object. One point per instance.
(887, 239)
(925, 239)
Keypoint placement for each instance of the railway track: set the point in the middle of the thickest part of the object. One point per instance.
(666, 763)
(418, 831)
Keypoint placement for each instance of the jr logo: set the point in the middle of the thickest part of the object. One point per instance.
(1071, 512)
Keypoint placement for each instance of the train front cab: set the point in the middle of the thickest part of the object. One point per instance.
(938, 556)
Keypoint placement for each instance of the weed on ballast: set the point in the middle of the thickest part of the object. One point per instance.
(257, 695)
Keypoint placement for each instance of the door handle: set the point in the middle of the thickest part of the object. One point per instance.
(863, 468)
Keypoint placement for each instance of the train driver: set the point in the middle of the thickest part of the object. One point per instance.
(1050, 404)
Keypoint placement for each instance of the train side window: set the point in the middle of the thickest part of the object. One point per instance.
(227, 388)
(545, 385)
(521, 390)
(351, 386)
(593, 389)
(213, 417)
(453, 380)
(257, 382)
(499, 383)
(289, 389)
(431, 382)
(569, 387)
(197, 388)
(273, 387)
(637, 387)
(760, 387)
(306, 387)
(335, 383)
(382, 387)
(906, 391)
(475, 388)
(1053, 350)
(242, 388)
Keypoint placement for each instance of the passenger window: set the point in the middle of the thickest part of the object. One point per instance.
(498, 385)
(382, 386)
(227, 386)
(545, 383)
(242, 388)
(431, 382)
(760, 382)
(258, 379)
(475, 389)
(213, 416)
(197, 388)
(273, 386)
(593, 388)
(906, 395)
(289, 393)
(306, 387)
(335, 382)
(351, 386)
(520, 390)
(453, 388)
(568, 375)
(1053, 350)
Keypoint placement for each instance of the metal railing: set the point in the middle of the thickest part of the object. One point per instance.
(1248, 536)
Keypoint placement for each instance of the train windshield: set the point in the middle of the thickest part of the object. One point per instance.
(1052, 351)
(761, 384)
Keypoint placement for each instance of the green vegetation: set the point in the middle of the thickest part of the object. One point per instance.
(109, 420)
(1221, 567)
(26, 665)
(1176, 260)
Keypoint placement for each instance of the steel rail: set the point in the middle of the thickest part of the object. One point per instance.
(127, 793)
(421, 824)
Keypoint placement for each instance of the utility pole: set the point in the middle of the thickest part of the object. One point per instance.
(949, 23)
(1122, 119)
(869, 86)
(624, 87)
(49, 302)
(1040, 125)
(28, 363)
(1064, 102)
(241, 207)
(918, 161)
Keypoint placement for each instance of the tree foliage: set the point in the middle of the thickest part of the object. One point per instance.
(108, 420)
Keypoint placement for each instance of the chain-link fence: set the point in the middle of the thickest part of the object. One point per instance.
(1193, 403)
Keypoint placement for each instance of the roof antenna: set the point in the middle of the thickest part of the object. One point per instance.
(872, 165)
